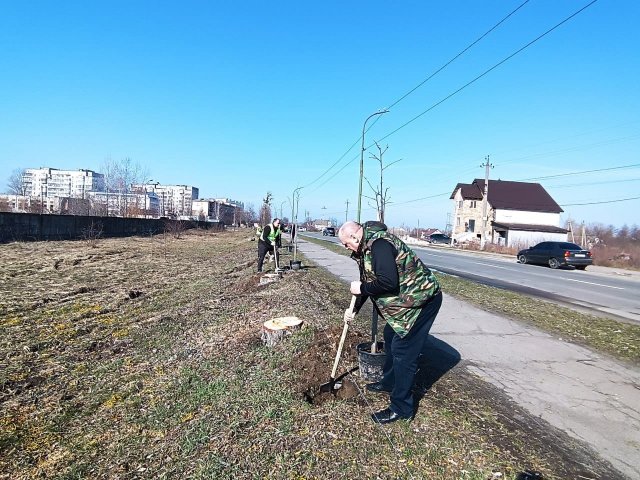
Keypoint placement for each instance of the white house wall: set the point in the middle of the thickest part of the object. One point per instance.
(522, 239)
(529, 218)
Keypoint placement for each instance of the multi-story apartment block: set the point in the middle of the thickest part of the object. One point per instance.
(51, 182)
(175, 200)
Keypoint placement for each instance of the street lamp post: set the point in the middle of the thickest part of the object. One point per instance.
(364, 126)
(374, 313)
(281, 206)
(295, 204)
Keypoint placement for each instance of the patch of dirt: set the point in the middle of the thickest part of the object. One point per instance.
(312, 367)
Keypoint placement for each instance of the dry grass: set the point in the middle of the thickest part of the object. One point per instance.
(140, 358)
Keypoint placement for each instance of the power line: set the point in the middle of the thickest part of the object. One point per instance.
(583, 172)
(537, 178)
(468, 47)
(600, 203)
(488, 70)
(594, 183)
(454, 58)
(570, 149)
(455, 92)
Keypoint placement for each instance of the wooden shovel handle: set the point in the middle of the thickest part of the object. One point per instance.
(342, 338)
(352, 306)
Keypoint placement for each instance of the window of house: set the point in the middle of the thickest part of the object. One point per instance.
(457, 221)
(473, 204)
(472, 226)
(460, 203)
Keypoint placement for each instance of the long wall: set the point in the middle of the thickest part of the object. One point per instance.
(33, 226)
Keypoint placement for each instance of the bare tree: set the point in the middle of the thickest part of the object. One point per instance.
(4, 206)
(119, 176)
(248, 214)
(265, 210)
(92, 233)
(16, 182)
(380, 197)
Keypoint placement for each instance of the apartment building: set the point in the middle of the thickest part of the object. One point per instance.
(52, 182)
(175, 200)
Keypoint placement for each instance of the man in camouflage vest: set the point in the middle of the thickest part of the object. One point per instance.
(406, 294)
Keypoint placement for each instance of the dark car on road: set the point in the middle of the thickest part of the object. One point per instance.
(439, 238)
(556, 254)
(329, 231)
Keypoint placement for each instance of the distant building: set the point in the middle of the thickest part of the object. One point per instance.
(429, 231)
(518, 213)
(222, 210)
(114, 204)
(175, 200)
(52, 182)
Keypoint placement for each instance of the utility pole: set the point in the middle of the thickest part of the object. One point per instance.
(483, 234)
(571, 230)
(346, 214)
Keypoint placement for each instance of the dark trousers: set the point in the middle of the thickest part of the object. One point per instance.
(263, 248)
(401, 361)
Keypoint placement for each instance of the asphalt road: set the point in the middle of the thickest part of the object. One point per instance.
(608, 291)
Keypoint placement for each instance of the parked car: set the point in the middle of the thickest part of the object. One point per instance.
(329, 231)
(556, 254)
(439, 238)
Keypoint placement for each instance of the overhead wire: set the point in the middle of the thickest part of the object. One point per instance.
(465, 86)
(600, 203)
(605, 182)
(396, 102)
(581, 173)
(488, 70)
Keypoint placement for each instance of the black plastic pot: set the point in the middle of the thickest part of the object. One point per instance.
(295, 264)
(371, 364)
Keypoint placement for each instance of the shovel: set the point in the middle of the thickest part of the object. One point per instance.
(374, 331)
(275, 257)
(330, 386)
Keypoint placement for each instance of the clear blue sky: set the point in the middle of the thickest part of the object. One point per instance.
(241, 98)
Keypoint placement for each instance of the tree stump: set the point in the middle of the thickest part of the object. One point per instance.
(276, 329)
(270, 278)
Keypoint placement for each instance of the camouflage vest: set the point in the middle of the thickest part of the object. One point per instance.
(418, 284)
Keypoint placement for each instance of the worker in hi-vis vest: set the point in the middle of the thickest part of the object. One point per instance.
(269, 241)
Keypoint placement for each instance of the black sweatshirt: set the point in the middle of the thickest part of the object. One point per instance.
(383, 262)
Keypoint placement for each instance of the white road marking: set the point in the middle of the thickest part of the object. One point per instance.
(494, 266)
(592, 283)
(563, 278)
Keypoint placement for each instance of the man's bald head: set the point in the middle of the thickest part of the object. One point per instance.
(350, 235)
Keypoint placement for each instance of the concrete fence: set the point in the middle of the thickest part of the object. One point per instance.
(33, 226)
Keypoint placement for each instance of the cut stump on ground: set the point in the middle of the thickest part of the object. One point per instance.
(274, 330)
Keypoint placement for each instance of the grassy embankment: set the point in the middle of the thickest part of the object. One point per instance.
(141, 358)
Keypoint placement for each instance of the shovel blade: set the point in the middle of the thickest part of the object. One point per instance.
(330, 386)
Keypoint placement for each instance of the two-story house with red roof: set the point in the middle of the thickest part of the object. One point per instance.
(518, 213)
